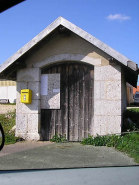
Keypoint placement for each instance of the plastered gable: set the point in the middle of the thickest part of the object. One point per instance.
(62, 44)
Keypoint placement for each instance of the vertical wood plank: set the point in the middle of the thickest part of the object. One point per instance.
(81, 103)
(91, 102)
(59, 122)
(77, 104)
(71, 98)
(64, 100)
(86, 86)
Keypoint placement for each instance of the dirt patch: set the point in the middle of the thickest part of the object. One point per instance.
(7, 108)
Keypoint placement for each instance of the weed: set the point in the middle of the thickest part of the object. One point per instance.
(128, 143)
(58, 139)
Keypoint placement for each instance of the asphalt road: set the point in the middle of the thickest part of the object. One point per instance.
(81, 176)
(46, 155)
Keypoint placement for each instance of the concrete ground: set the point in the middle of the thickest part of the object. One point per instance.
(46, 155)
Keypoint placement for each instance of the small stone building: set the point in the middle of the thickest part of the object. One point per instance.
(78, 84)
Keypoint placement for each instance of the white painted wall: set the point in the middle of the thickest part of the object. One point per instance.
(8, 92)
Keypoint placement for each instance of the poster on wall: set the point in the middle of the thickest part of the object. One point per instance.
(50, 91)
(44, 84)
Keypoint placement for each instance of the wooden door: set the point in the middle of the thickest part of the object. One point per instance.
(75, 116)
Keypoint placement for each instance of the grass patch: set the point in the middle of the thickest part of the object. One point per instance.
(8, 121)
(128, 143)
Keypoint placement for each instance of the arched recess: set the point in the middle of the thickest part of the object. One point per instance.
(66, 57)
(68, 106)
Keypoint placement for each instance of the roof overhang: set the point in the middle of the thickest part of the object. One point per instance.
(6, 4)
(73, 28)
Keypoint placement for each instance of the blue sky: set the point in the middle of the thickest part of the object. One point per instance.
(114, 22)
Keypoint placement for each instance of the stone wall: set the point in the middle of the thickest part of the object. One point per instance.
(107, 100)
(28, 115)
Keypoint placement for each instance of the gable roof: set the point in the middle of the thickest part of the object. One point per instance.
(83, 34)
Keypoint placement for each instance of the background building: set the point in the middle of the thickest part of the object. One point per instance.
(135, 90)
(8, 90)
(129, 93)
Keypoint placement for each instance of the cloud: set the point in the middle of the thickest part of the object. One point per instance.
(118, 17)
